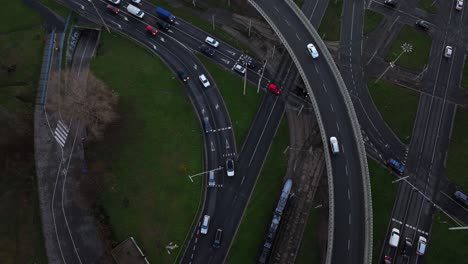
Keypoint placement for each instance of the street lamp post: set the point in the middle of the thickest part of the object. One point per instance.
(405, 48)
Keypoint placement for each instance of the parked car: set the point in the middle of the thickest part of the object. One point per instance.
(113, 9)
(312, 51)
(212, 42)
(388, 260)
(207, 50)
(183, 76)
(163, 25)
(422, 243)
(204, 80)
(274, 88)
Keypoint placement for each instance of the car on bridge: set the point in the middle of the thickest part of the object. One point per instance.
(204, 80)
(312, 51)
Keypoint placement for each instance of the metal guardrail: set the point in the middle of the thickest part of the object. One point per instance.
(356, 129)
(45, 76)
(355, 125)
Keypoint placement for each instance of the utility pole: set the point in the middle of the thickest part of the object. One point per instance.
(250, 25)
(261, 76)
(245, 74)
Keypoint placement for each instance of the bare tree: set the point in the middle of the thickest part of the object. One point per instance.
(87, 100)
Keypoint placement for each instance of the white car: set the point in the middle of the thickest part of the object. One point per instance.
(115, 2)
(238, 68)
(459, 5)
(212, 42)
(204, 80)
(394, 238)
(312, 51)
(335, 148)
(422, 242)
(136, 1)
(230, 167)
(448, 52)
(205, 224)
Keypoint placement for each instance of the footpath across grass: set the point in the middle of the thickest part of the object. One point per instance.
(397, 105)
(241, 108)
(371, 20)
(147, 155)
(330, 27)
(21, 50)
(421, 43)
(458, 150)
(428, 6)
(445, 246)
(383, 197)
(259, 211)
(464, 82)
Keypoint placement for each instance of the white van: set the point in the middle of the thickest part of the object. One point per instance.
(135, 11)
(335, 148)
(205, 224)
(394, 238)
(211, 179)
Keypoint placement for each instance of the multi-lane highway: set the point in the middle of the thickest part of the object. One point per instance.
(351, 236)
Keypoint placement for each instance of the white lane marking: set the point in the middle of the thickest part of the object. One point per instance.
(338, 126)
(349, 195)
(348, 244)
(297, 36)
(349, 218)
(287, 22)
(276, 9)
(331, 106)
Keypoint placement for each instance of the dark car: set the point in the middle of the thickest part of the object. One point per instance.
(113, 9)
(422, 24)
(396, 165)
(252, 64)
(183, 76)
(390, 3)
(207, 50)
(163, 25)
(407, 246)
(217, 239)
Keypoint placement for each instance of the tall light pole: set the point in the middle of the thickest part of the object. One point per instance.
(245, 74)
(405, 48)
(261, 75)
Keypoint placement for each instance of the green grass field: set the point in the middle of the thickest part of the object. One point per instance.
(397, 105)
(147, 155)
(55, 6)
(330, 27)
(262, 203)
(309, 252)
(464, 82)
(428, 6)
(299, 3)
(421, 43)
(445, 246)
(458, 150)
(21, 47)
(383, 196)
(371, 20)
(242, 109)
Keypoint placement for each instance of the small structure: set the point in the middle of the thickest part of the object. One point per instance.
(128, 252)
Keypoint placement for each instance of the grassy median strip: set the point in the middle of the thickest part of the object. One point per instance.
(383, 197)
(299, 3)
(330, 27)
(464, 83)
(21, 49)
(146, 157)
(446, 246)
(371, 20)
(428, 6)
(458, 150)
(397, 106)
(241, 108)
(421, 46)
(259, 211)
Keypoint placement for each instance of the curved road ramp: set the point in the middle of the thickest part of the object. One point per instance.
(350, 213)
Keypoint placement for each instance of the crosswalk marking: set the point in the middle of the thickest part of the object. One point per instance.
(411, 227)
(61, 133)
